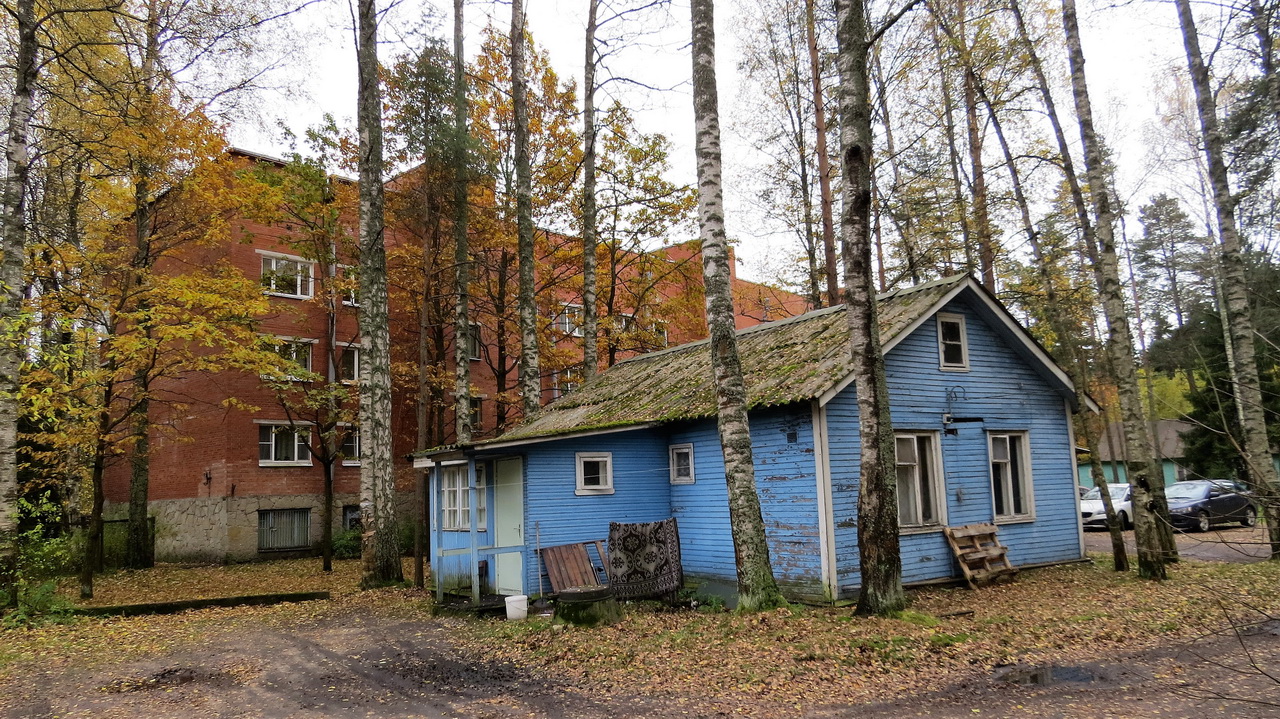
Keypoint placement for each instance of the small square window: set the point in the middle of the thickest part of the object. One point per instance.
(681, 456)
(953, 346)
(595, 472)
(351, 517)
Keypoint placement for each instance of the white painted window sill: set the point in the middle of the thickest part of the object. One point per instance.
(262, 463)
(589, 492)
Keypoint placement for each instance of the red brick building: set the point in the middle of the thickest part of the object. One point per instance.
(232, 481)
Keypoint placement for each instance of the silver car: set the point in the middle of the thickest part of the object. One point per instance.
(1093, 514)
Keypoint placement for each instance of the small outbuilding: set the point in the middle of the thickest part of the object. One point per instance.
(982, 415)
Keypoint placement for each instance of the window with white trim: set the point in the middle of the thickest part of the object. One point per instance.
(595, 472)
(473, 341)
(296, 351)
(569, 321)
(681, 458)
(456, 496)
(350, 286)
(953, 343)
(477, 412)
(348, 363)
(567, 380)
(287, 276)
(920, 498)
(284, 445)
(350, 448)
(1010, 475)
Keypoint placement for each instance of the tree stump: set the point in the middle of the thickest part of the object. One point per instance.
(587, 607)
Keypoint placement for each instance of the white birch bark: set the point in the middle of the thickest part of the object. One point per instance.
(1138, 465)
(590, 317)
(461, 251)
(12, 252)
(1257, 453)
(380, 552)
(757, 589)
(878, 549)
(530, 374)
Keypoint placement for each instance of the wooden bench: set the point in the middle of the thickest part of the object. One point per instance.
(983, 560)
(570, 565)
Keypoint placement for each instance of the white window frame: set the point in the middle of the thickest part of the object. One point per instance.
(353, 436)
(1025, 480)
(337, 366)
(476, 406)
(297, 342)
(350, 296)
(579, 461)
(301, 520)
(963, 366)
(937, 492)
(474, 348)
(269, 286)
(672, 451)
(569, 320)
(301, 445)
(455, 499)
(567, 380)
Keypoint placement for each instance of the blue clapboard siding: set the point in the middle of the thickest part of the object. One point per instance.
(787, 485)
(555, 515)
(1009, 396)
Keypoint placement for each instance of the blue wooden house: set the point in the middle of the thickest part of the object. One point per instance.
(981, 412)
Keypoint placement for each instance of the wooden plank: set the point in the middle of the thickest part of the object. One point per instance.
(971, 530)
(569, 565)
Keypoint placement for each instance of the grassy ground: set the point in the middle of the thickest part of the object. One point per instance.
(786, 657)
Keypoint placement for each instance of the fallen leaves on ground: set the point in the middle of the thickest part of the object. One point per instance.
(802, 656)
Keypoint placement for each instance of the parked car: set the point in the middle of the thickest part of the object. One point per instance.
(1094, 515)
(1199, 504)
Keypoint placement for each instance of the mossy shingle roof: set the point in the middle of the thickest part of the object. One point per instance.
(787, 361)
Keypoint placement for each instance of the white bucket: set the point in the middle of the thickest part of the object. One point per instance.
(517, 606)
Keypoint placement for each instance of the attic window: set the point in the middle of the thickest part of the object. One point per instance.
(953, 345)
(681, 456)
(595, 472)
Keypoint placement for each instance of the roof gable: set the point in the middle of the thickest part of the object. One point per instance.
(797, 359)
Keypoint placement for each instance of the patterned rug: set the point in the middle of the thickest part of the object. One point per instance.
(644, 559)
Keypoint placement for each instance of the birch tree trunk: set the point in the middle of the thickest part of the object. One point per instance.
(380, 552)
(590, 317)
(12, 252)
(878, 548)
(462, 331)
(757, 589)
(1138, 464)
(530, 375)
(1235, 291)
(824, 159)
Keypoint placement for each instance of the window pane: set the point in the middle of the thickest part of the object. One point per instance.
(907, 513)
(950, 331)
(264, 443)
(284, 445)
(1000, 448)
(592, 473)
(906, 450)
(348, 364)
(925, 471)
(1015, 474)
(997, 486)
(304, 444)
(952, 354)
(683, 457)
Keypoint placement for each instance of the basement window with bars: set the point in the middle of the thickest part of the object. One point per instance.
(284, 529)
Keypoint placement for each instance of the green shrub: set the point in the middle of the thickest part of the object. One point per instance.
(346, 544)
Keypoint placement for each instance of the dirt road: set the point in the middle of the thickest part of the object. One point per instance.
(360, 666)
(1222, 544)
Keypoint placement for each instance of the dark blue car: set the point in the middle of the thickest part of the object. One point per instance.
(1198, 505)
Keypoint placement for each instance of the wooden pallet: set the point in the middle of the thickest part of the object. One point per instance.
(982, 558)
(569, 565)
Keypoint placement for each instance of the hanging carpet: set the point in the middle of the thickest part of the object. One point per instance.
(644, 559)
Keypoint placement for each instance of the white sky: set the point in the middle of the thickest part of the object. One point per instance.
(1127, 50)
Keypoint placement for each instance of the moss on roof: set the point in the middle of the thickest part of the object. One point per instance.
(787, 361)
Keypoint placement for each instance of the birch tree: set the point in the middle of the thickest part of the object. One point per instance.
(878, 549)
(757, 588)
(380, 553)
(1235, 291)
(530, 374)
(462, 328)
(1138, 452)
(590, 310)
